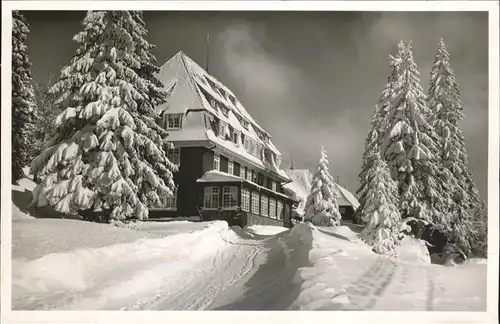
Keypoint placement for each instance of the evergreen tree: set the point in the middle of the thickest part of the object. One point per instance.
(444, 101)
(46, 115)
(479, 241)
(321, 206)
(374, 139)
(23, 104)
(148, 68)
(381, 212)
(411, 150)
(105, 157)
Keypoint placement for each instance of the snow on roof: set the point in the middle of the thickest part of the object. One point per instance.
(219, 176)
(348, 197)
(190, 85)
(301, 187)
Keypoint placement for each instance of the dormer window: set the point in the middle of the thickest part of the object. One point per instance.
(225, 111)
(213, 103)
(233, 100)
(236, 137)
(222, 129)
(244, 123)
(173, 121)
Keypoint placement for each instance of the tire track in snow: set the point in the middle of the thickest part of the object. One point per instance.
(197, 290)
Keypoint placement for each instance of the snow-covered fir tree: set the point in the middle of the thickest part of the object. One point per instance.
(321, 206)
(479, 241)
(104, 157)
(444, 101)
(374, 138)
(411, 148)
(381, 213)
(46, 115)
(23, 102)
(148, 68)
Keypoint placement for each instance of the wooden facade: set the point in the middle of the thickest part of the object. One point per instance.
(347, 212)
(194, 163)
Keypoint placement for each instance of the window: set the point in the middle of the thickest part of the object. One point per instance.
(245, 200)
(280, 209)
(264, 208)
(272, 207)
(247, 145)
(236, 137)
(229, 196)
(211, 198)
(342, 210)
(249, 175)
(225, 111)
(173, 121)
(216, 162)
(230, 167)
(233, 100)
(230, 133)
(174, 155)
(254, 176)
(287, 212)
(244, 123)
(273, 185)
(242, 171)
(170, 202)
(222, 129)
(260, 179)
(243, 139)
(255, 202)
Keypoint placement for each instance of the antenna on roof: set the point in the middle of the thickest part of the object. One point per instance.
(208, 47)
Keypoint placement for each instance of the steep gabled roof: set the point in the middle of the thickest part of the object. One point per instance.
(300, 187)
(347, 198)
(189, 86)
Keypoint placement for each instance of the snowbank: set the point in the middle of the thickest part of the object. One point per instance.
(413, 250)
(266, 229)
(33, 238)
(343, 232)
(82, 269)
(323, 284)
(475, 261)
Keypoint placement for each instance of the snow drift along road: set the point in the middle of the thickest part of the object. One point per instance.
(113, 275)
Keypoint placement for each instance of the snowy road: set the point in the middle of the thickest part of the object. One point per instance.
(213, 267)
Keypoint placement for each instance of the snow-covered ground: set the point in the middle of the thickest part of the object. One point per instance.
(346, 275)
(69, 264)
(211, 266)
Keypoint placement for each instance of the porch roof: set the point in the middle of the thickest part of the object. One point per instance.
(219, 176)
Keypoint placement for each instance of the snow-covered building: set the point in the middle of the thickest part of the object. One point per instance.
(300, 187)
(228, 164)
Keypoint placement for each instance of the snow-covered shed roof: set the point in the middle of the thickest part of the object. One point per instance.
(347, 198)
(193, 92)
(300, 187)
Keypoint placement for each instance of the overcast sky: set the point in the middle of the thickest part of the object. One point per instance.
(309, 78)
